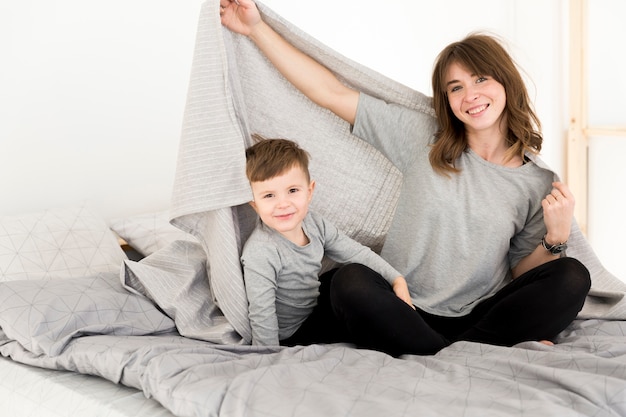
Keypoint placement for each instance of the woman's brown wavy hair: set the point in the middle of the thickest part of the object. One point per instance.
(482, 55)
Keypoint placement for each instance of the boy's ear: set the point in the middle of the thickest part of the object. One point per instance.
(253, 205)
(311, 189)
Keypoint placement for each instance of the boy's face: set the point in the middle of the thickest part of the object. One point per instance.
(282, 202)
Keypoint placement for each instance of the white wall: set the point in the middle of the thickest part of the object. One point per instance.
(91, 102)
(93, 93)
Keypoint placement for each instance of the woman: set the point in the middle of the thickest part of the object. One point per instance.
(480, 229)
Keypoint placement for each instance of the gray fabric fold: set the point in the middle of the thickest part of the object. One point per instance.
(234, 91)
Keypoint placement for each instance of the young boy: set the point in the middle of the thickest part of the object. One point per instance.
(288, 303)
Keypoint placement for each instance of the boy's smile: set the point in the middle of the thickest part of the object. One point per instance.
(282, 202)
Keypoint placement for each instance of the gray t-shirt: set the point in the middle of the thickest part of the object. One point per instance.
(455, 239)
(281, 277)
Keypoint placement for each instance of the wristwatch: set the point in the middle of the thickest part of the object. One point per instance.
(555, 249)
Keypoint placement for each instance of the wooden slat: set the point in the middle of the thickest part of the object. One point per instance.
(577, 141)
(605, 131)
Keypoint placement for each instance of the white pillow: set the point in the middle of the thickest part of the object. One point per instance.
(57, 243)
(149, 232)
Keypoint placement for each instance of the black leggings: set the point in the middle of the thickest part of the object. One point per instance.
(536, 306)
(322, 326)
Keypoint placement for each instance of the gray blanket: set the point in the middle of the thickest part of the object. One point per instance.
(234, 91)
(93, 326)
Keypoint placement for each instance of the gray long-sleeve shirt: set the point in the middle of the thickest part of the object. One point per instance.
(453, 238)
(281, 277)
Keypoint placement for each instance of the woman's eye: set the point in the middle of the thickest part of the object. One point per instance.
(455, 88)
(481, 79)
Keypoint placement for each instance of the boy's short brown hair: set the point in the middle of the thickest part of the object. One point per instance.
(268, 158)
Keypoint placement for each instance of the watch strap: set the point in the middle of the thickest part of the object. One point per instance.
(555, 249)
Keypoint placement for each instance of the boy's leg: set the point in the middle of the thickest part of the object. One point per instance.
(535, 306)
(376, 318)
(322, 326)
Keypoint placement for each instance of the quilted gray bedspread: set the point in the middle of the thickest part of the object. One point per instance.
(94, 326)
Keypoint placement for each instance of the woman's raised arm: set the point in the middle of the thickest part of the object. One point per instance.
(310, 77)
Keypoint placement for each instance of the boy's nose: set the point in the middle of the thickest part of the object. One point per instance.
(282, 201)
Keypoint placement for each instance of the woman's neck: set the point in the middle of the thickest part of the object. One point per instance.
(493, 148)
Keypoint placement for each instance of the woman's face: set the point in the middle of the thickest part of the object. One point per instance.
(477, 100)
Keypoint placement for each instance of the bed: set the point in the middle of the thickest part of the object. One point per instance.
(146, 315)
(76, 342)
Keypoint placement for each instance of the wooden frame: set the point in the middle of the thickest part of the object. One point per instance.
(577, 140)
(579, 131)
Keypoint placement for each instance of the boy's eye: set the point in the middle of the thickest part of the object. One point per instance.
(294, 190)
(268, 195)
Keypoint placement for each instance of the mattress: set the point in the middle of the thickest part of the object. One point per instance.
(27, 391)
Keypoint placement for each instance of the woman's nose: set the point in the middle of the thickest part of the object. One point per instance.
(471, 94)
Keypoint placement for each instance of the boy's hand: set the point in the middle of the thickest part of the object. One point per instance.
(402, 290)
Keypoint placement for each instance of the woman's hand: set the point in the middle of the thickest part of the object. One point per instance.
(314, 80)
(239, 16)
(402, 291)
(558, 212)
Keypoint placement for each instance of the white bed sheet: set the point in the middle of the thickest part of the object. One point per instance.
(27, 391)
